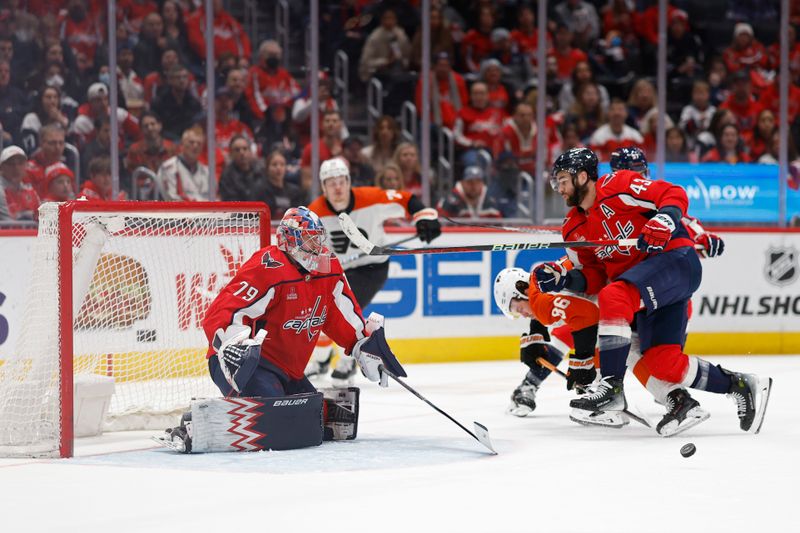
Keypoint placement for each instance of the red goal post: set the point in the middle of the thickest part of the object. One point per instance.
(127, 284)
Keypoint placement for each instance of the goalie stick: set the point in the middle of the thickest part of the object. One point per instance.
(550, 366)
(351, 230)
(481, 434)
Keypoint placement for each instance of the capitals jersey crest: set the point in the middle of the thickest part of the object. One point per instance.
(269, 262)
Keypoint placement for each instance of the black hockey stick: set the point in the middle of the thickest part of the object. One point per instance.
(500, 228)
(481, 434)
(550, 366)
(351, 230)
(352, 257)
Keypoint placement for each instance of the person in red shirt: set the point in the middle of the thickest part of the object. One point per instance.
(646, 23)
(759, 140)
(729, 148)
(770, 99)
(153, 149)
(615, 134)
(96, 107)
(81, 28)
(100, 185)
(132, 12)
(271, 89)
(50, 151)
(229, 35)
(477, 43)
(227, 127)
(745, 52)
(302, 108)
(526, 36)
(22, 200)
(491, 74)
(478, 125)
(566, 56)
(330, 147)
(448, 92)
(59, 183)
(519, 137)
(264, 324)
(742, 102)
(623, 205)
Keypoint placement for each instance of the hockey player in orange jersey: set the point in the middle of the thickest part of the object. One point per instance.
(369, 207)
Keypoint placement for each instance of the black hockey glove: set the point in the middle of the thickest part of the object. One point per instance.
(534, 344)
(427, 222)
(427, 230)
(581, 371)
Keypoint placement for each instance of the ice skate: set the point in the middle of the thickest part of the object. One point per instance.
(320, 362)
(751, 394)
(609, 419)
(179, 438)
(344, 373)
(609, 395)
(683, 412)
(523, 399)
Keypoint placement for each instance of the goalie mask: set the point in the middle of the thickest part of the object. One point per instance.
(301, 236)
(510, 283)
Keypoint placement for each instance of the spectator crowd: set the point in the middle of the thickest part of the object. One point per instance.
(722, 101)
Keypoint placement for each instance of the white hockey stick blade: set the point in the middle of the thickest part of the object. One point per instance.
(766, 388)
(637, 416)
(482, 434)
(356, 237)
(169, 444)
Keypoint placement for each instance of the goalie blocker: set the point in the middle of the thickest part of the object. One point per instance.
(253, 424)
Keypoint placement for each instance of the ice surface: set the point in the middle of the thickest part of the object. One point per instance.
(413, 470)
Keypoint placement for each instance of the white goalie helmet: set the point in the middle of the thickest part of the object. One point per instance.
(507, 286)
(333, 168)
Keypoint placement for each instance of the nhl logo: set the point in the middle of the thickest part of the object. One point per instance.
(781, 267)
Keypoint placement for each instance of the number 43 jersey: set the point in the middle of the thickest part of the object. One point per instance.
(625, 202)
(292, 305)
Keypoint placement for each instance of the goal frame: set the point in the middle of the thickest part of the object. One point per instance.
(65, 289)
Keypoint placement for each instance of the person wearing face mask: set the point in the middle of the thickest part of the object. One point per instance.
(271, 89)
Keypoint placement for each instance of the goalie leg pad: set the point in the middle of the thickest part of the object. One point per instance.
(252, 424)
(341, 413)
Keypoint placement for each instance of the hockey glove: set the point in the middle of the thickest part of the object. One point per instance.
(532, 347)
(374, 355)
(239, 357)
(550, 277)
(581, 371)
(656, 233)
(710, 245)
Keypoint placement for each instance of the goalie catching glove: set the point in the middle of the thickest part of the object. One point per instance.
(239, 357)
(374, 355)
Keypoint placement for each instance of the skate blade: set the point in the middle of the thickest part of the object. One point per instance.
(169, 444)
(766, 388)
(519, 410)
(689, 422)
(599, 418)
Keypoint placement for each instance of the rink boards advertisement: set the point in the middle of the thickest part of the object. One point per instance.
(439, 307)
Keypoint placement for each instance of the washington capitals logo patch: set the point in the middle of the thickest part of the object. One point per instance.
(269, 262)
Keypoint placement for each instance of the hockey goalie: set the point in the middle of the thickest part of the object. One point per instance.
(262, 329)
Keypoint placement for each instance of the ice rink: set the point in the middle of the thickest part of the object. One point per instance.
(412, 470)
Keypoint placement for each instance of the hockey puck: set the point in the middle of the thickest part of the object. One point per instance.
(687, 450)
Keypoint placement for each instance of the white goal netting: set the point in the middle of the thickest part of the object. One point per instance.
(141, 282)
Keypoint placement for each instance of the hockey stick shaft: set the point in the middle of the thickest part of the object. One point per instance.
(553, 368)
(421, 397)
(352, 257)
(500, 228)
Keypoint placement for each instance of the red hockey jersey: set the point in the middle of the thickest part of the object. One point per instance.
(270, 293)
(625, 202)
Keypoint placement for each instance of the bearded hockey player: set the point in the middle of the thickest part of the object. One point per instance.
(262, 328)
(370, 208)
(661, 274)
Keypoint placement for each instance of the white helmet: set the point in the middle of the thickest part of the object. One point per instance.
(333, 168)
(507, 287)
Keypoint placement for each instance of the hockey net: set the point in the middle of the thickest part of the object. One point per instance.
(119, 289)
